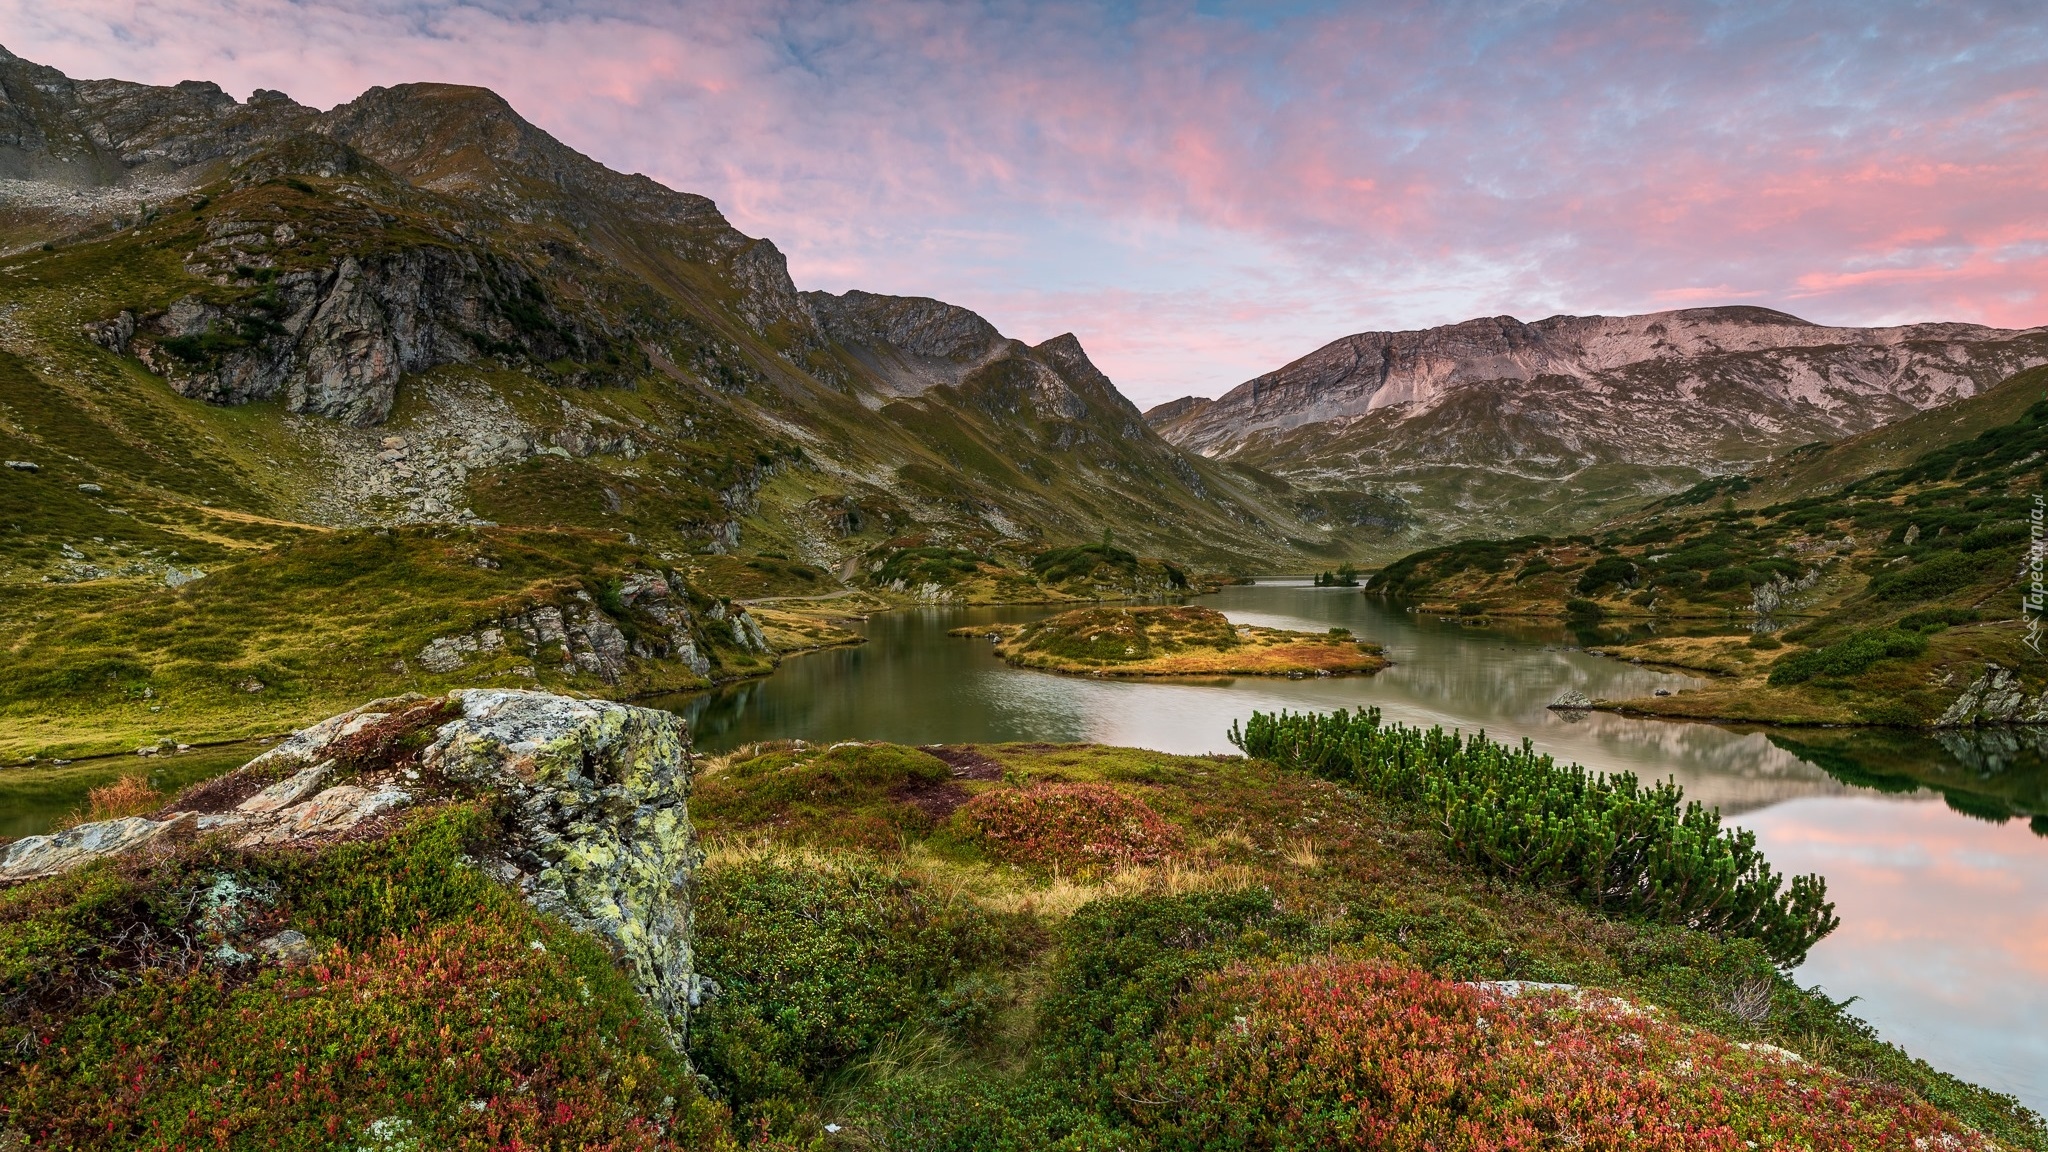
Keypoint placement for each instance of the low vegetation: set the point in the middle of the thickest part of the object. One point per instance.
(1002, 947)
(1174, 641)
(306, 630)
(437, 1009)
(1167, 952)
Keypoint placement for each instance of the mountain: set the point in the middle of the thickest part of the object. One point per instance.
(267, 370)
(1495, 426)
(419, 308)
(1882, 581)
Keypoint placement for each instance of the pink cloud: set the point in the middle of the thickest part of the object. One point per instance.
(1349, 166)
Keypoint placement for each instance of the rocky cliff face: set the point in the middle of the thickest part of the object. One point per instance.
(1657, 401)
(593, 796)
(335, 341)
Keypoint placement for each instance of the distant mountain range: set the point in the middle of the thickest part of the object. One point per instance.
(1496, 427)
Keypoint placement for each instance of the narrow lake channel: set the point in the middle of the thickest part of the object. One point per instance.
(1937, 871)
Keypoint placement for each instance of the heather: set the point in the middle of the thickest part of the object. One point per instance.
(1368, 1055)
(1077, 981)
(436, 1008)
(990, 947)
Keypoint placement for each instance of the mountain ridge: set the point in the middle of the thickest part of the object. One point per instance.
(338, 261)
(1604, 411)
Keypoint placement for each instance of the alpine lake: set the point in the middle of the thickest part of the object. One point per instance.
(1935, 848)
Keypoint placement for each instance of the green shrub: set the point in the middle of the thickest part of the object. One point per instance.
(1583, 610)
(1059, 565)
(1936, 619)
(818, 966)
(978, 1112)
(1605, 841)
(1605, 571)
(1850, 657)
(1123, 962)
(1938, 575)
(1471, 608)
(1728, 579)
(919, 566)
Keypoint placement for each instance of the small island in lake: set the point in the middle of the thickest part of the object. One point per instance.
(1180, 640)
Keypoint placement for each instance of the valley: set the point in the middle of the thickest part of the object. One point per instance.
(488, 661)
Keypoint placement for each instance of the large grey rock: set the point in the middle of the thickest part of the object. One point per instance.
(600, 823)
(304, 747)
(599, 827)
(331, 813)
(35, 856)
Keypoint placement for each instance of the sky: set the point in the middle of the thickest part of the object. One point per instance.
(1205, 191)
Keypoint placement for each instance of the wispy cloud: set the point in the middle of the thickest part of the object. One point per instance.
(1203, 191)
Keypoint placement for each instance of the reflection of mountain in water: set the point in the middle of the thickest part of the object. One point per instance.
(1993, 774)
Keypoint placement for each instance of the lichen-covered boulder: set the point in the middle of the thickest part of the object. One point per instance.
(595, 800)
(35, 856)
(600, 831)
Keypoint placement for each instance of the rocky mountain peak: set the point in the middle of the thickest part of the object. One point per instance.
(1657, 401)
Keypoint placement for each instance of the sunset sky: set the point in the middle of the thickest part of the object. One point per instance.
(1204, 191)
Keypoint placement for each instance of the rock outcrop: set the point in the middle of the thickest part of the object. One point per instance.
(334, 341)
(580, 636)
(1995, 697)
(599, 821)
(594, 796)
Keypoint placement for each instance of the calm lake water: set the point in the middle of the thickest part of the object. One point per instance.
(1935, 867)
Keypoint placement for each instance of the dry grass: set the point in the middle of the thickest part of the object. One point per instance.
(128, 796)
(1063, 895)
(1302, 854)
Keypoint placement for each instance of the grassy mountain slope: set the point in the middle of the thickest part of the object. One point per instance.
(229, 327)
(1884, 600)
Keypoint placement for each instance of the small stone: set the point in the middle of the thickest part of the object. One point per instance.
(288, 948)
(90, 488)
(24, 466)
(251, 685)
(1572, 701)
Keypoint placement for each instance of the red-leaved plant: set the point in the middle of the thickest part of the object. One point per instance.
(1369, 1055)
(1075, 826)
